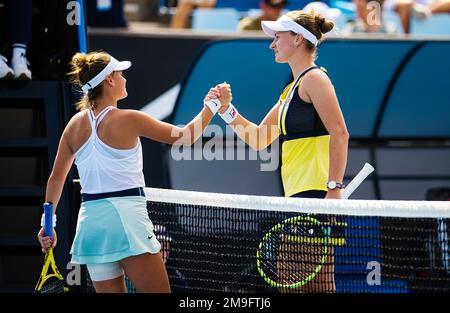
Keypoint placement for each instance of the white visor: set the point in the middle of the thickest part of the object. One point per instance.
(285, 24)
(113, 66)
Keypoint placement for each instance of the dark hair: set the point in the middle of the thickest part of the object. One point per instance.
(84, 67)
(276, 3)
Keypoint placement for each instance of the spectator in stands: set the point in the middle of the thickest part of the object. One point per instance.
(184, 9)
(406, 8)
(369, 19)
(441, 6)
(271, 11)
(421, 9)
(19, 29)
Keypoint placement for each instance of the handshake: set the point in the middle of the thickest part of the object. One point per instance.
(219, 99)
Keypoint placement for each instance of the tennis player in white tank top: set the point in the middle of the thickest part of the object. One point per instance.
(114, 234)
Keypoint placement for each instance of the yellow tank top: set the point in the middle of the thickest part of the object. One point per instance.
(305, 158)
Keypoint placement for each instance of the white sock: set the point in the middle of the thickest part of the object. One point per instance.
(19, 50)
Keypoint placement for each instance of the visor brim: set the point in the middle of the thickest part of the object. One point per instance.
(272, 27)
(122, 66)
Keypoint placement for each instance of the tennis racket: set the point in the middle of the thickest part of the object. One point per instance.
(294, 251)
(51, 280)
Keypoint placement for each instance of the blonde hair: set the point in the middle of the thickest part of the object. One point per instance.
(313, 22)
(84, 67)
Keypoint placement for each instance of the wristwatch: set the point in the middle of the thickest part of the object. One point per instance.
(333, 185)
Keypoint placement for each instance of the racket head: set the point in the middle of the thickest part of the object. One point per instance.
(293, 252)
(52, 282)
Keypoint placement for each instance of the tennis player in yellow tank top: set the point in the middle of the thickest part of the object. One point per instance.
(307, 117)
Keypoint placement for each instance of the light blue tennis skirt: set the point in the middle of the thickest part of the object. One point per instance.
(111, 229)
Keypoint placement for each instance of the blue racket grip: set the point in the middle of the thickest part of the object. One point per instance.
(48, 216)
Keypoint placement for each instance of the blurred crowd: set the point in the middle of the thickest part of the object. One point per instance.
(389, 17)
(350, 16)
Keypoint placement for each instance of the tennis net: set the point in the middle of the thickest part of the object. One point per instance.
(234, 243)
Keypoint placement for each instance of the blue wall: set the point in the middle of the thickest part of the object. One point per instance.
(405, 82)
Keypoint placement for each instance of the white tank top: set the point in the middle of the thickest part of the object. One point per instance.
(106, 169)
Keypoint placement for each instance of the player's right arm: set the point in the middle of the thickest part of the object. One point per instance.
(147, 126)
(55, 184)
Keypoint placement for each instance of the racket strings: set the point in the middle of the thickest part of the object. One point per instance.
(298, 262)
(53, 287)
(294, 253)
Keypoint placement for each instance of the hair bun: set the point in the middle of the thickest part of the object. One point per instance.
(324, 25)
(78, 64)
(79, 61)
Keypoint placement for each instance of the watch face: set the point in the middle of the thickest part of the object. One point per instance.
(332, 184)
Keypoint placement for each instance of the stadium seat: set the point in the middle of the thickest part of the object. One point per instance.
(299, 4)
(239, 5)
(346, 7)
(254, 12)
(225, 19)
(438, 24)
